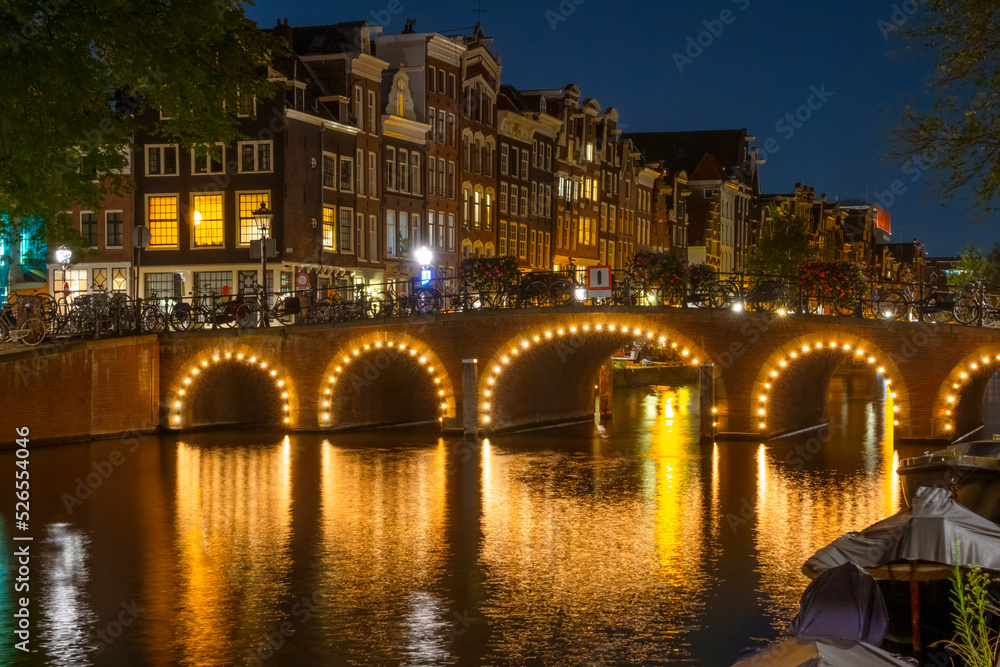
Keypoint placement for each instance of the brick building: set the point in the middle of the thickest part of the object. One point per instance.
(433, 65)
(527, 145)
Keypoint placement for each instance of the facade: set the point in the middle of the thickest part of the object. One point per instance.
(526, 157)
(404, 149)
(433, 65)
(724, 206)
(300, 159)
(108, 264)
(480, 85)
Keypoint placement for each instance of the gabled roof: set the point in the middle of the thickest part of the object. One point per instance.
(685, 150)
(708, 169)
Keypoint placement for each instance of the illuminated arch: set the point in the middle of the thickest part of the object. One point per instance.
(972, 373)
(400, 345)
(492, 374)
(181, 390)
(851, 346)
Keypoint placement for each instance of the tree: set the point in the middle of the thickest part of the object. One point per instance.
(960, 137)
(77, 76)
(974, 264)
(782, 251)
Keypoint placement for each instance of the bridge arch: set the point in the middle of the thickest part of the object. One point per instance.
(257, 385)
(545, 374)
(809, 361)
(368, 366)
(958, 405)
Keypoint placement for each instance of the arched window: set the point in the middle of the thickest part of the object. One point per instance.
(489, 212)
(477, 210)
(466, 216)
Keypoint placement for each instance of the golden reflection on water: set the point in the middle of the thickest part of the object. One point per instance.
(569, 539)
(233, 532)
(800, 511)
(383, 518)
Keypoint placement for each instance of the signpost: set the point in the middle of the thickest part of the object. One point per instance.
(140, 239)
(598, 282)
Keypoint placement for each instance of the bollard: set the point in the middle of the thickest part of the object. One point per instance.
(605, 385)
(470, 398)
(707, 386)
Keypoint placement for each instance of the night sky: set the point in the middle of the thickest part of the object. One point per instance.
(767, 60)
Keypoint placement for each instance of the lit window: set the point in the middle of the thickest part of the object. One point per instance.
(161, 217)
(248, 203)
(207, 219)
(329, 228)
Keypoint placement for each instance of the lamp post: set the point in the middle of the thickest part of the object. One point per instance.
(63, 257)
(262, 216)
(424, 257)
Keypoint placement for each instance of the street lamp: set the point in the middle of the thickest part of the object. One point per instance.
(424, 257)
(262, 216)
(63, 257)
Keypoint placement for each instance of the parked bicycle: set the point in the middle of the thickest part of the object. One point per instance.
(22, 321)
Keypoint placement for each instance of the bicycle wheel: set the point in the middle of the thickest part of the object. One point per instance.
(721, 295)
(381, 306)
(990, 316)
(426, 301)
(152, 320)
(966, 310)
(286, 316)
(939, 316)
(32, 331)
(561, 293)
(847, 306)
(893, 306)
(182, 317)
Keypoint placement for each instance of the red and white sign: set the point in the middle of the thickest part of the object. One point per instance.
(598, 281)
(302, 280)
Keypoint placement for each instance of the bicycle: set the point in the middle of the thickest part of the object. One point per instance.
(25, 326)
(938, 306)
(973, 306)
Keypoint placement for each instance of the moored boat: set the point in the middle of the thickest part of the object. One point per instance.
(970, 470)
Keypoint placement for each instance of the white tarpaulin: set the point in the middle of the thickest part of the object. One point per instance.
(931, 530)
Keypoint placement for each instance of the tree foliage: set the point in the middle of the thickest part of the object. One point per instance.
(959, 136)
(782, 251)
(78, 75)
(973, 264)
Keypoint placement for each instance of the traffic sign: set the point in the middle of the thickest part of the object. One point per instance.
(141, 237)
(598, 281)
(302, 280)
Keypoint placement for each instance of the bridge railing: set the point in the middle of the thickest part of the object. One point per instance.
(100, 313)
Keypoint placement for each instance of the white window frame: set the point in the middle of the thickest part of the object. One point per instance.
(161, 147)
(256, 157)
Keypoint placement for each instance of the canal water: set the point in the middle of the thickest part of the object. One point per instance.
(621, 543)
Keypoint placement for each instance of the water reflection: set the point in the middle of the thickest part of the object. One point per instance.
(233, 528)
(67, 620)
(595, 558)
(808, 494)
(623, 543)
(382, 523)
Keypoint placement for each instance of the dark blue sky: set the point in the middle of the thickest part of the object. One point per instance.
(765, 61)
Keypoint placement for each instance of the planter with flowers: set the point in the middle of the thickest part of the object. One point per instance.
(841, 284)
(664, 276)
(489, 278)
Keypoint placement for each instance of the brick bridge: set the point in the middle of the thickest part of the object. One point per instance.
(534, 367)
